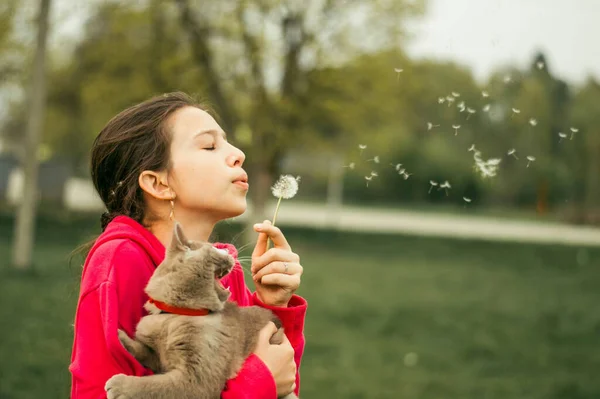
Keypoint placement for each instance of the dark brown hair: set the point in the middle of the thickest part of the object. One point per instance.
(135, 140)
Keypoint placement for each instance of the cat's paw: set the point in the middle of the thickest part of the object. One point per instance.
(116, 387)
(124, 338)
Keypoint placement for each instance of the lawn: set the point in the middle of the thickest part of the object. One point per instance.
(389, 317)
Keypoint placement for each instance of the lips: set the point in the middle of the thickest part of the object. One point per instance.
(242, 181)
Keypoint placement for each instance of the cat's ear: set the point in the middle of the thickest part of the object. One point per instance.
(178, 241)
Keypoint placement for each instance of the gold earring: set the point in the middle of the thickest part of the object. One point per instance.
(172, 214)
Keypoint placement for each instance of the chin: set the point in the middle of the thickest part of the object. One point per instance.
(235, 210)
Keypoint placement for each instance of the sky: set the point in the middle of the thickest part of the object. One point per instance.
(486, 34)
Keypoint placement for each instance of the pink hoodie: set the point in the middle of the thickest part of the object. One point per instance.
(112, 296)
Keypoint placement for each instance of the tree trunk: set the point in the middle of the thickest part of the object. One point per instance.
(25, 222)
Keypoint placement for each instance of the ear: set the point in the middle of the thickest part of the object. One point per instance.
(178, 241)
(155, 184)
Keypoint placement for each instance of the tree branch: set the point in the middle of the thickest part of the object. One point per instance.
(202, 54)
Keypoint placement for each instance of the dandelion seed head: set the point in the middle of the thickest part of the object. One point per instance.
(466, 199)
(441, 100)
(471, 110)
(574, 129)
(516, 110)
(511, 151)
(286, 187)
(450, 99)
(445, 184)
(562, 135)
(433, 183)
(455, 126)
(530, 158)
(398, 70)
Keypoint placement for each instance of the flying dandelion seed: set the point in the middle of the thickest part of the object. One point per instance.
(406, 175)
(433, 184)
(512, 152)
(461, 106)
(368, 179)
(487, 168)
(455, 94)
(398, 72)
(441, 100)
(431, 125)
(456, 127)
(446, 186)
(485, 94)
(350, 166)
(471, 111)
(533, 122)
(397, 166)
(486, 107)
(540, 65)
(467, 200)
(472, 148)
(562, 136)
(573, 131)
(374, 159)
(507, 79)
(450, 100)
(515, 111)
(374, 174)
(530, 159)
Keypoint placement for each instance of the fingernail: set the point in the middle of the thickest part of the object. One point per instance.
(258, 226)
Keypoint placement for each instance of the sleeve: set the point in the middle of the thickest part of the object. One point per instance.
(97, 351)
(254, 381)
(292, 319)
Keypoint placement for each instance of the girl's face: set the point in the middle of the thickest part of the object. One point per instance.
(205, 172)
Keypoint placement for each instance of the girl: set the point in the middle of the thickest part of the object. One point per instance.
(163, 160)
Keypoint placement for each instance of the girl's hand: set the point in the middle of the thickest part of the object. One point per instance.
(279, 359)
(276, 272)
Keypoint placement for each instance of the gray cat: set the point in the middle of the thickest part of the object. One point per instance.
(192, 356)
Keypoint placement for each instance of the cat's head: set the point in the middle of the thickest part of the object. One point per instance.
(189, 275)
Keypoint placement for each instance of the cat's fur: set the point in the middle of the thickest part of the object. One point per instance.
(192, 356)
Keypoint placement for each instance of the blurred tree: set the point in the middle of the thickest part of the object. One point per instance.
(256, 70)
(585, 114)
(25, 221)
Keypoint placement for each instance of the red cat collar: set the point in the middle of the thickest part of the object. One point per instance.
(175, 310)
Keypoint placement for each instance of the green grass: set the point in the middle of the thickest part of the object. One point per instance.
(486, 320)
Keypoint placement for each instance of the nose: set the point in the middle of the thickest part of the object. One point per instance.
(237, 157)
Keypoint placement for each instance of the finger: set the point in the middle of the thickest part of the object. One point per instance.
(261, 244)
(285, 281)
(267, 332)
(274, 234)
(278, 267)
(274, 255)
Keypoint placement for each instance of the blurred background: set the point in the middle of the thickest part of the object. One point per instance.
(449, 151)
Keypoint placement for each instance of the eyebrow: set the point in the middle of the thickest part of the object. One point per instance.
(212, 132)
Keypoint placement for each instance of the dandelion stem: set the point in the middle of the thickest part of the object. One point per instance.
(274, 219)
